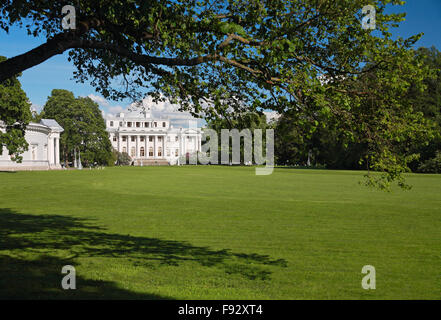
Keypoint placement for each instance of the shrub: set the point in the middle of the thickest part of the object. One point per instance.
(124, 159)
(432, 165)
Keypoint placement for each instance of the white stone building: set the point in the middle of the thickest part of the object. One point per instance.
(151, 141)
(44, 147)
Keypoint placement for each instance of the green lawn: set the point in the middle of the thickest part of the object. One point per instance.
(217, 233)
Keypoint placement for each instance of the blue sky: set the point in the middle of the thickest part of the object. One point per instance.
(38, 82)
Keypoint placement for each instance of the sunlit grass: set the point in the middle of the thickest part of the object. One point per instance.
(217, 233)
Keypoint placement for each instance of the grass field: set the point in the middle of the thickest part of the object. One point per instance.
(217, 233)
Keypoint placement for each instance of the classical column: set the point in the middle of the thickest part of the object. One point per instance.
(184, 145)
(146, 150)
(155, 151)
(57, 151)
(50, 150)
(137, 147)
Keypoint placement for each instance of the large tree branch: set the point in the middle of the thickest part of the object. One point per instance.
(13, 66)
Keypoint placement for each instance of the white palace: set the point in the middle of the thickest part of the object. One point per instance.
(151, 141)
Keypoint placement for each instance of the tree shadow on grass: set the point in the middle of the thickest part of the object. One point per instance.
(40, 234)
(41, 279)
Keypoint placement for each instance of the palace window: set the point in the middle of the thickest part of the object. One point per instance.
(124, 149)
(155, 124)
(114, 138)
(129, 124)
(138, 124)
(124, 138)
(159, 152)
(159, 139)
(147, 124)
(150, 152)
(150, 138)
(133, 138)
(163, 124)
(111, 123)
(142, 152)
(177, 152)
(132, 152)
(176, 138)
(142, 139)
(120, 124)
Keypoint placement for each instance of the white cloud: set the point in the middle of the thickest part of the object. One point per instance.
(166, 109)
(100, 100)
(160, 109)
(35, 107)
(104, 103)
(115, 109)
(271, 115)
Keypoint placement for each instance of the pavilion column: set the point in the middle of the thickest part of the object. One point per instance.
(155, 151)
(119, 143)
(50, 149)
(57, 151)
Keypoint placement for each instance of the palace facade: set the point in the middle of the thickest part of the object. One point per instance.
(44, 147)
(151, 141)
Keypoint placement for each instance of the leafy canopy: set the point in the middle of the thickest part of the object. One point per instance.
(218, 57)
(84, 127)
(15, 114)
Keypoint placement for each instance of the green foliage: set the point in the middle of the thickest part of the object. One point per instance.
(382, 141)
(216, 232)
(428, 102)
(311, 58)
(123, 158)
(15, 114)
(84, 127)
(431, 165)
